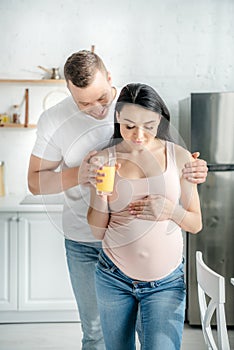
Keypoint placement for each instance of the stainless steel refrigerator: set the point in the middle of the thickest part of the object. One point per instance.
(206, 124)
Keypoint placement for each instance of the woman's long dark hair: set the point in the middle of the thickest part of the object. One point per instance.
(145, 96)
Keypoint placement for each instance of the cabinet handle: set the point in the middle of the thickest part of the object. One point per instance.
(13, 218)
(22, 219)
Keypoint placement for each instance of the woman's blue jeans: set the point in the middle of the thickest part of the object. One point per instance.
(82, 259)
(161, 304)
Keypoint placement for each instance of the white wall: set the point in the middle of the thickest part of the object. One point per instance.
(178, 46)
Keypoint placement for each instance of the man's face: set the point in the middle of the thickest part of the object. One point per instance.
(96, 98)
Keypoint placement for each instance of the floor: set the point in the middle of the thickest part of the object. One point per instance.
(66, 336)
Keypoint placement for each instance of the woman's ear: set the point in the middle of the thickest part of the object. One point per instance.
(117, 116)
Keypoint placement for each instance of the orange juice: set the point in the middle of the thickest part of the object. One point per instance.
(107, 184)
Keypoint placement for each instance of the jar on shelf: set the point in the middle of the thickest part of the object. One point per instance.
(16, 114)
(4, 118)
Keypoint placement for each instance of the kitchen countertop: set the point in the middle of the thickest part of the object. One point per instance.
(31, 203)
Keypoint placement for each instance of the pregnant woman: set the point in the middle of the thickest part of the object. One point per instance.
(140, 225)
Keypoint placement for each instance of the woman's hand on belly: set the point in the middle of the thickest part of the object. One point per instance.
(152, 207)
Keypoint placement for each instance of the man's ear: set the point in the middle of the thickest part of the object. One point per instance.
(109, 78)
(68, 86)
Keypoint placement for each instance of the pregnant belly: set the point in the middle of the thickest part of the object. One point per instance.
(144, 250)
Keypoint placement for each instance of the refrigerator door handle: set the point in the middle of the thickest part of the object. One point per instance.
(220, 167)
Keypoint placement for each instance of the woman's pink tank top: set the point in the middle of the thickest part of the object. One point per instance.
(144, 250)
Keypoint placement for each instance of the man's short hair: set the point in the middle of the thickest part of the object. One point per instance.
(81, 67)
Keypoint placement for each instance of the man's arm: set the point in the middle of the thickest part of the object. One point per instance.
(195, 171)
(43, 179)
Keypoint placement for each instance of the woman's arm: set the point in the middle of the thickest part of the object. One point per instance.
(98, 214)
(158, 208)
(187, 214)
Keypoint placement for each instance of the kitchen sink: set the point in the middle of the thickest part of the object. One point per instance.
(43, 199)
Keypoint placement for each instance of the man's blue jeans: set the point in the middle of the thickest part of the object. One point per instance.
(161, 303)
(81, 260)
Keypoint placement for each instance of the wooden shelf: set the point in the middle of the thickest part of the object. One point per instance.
(34, 81)
(28, 81)
(14, 125)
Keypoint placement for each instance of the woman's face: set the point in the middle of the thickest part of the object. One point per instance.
(138, 126)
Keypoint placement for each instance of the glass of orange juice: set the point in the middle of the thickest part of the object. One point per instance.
(106, 186)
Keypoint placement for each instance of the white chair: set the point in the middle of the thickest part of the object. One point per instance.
(212, 284)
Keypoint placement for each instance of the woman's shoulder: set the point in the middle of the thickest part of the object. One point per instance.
(182, 156)
(181, 151)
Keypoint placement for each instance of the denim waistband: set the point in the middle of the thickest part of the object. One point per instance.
(95, 244)
(174, 274)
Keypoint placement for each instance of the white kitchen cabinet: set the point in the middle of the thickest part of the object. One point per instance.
(8, 261)
(35, 285)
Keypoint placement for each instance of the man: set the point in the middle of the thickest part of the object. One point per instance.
(66, 137)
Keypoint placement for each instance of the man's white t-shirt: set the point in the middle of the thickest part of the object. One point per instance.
(66, 134)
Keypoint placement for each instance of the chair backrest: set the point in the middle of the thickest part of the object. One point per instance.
(211, 284)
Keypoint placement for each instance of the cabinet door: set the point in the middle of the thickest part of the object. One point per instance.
(43, 276)
(8, 261)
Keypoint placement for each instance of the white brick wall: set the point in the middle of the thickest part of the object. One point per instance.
(178, 46)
